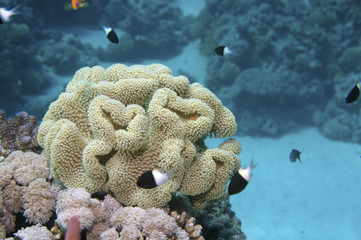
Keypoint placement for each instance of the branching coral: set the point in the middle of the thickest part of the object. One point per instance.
(186, 222)
(107, 219)
(34, 233)
(25, 186)
(112, 125)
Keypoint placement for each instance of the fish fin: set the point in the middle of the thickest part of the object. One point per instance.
(15, 8)
(84, 4)
(170, 173)
(67, 7)
(253, 165)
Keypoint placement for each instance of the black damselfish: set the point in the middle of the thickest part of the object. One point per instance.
(354, 94)
(153, 178)
(146, 180)
(294, 155)
(111, 35)
(222, 51)
(240, 180)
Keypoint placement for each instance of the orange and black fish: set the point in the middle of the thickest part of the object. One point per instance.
(75, 4)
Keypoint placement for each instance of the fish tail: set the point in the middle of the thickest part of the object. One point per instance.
(252, 165)
(84, 4)
(67, 7)
(170, 173)
(13, 10)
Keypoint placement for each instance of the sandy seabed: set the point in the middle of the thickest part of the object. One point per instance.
(319, 198)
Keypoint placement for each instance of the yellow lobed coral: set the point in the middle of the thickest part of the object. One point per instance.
(112, 125)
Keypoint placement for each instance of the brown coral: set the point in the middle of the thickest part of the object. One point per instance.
(19, 133)
(187, 223)
(112, 125)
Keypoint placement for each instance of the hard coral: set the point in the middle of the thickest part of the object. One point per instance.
(112, 125)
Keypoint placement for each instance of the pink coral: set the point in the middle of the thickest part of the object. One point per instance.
(75, 201)
(12, 197)
(127, 216)
(34, 233)
(26, 166)
(39, 201)
(25, 185)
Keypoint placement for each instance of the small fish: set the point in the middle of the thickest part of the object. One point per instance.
(75, 4)
(111, 35)
(294, 155)
(6, 14)
(354, 94)
(73, 231)
(153, 178)
(223, 51)
(240, 180)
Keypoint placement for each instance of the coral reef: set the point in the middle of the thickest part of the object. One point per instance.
(219, 221)
(151, 28)
(21, 72)
(34, 233)
(284, 52)
(188, 224)
(107, 219)
(19, 133)
(112, 125)
(66, 53)
(25, 186)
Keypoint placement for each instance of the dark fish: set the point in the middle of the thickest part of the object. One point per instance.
(153, 178)
(354, 94)
(240, 180)
(294, 155)
(111, 35)
(222, 50)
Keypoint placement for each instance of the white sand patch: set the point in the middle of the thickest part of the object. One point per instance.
(189, 60)
(191, 7)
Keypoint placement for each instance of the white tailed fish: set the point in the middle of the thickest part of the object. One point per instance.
(6, 14)
(240, 180)
(111, 35)
(153, 178)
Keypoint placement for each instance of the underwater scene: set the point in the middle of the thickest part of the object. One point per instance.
(202, 119)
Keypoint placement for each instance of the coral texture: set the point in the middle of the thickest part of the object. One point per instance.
(107, 219)
(19, 133)
(219, 221)
(187, 223)
(34, 233)
(25, 187)
(293, 66)
(112, 125)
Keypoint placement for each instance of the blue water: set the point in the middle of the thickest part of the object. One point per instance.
(294, 63)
